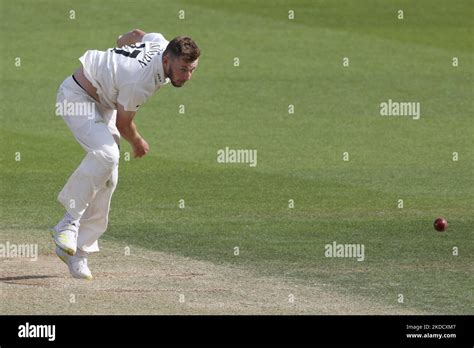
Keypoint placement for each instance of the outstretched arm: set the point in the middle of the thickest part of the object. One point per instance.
(131, 37)
(128, 130)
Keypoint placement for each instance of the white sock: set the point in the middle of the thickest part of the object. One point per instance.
(81, 253)
(69, 219)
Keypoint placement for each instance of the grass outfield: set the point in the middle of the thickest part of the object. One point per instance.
(300, 155)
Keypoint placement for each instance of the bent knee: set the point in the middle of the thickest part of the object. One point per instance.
(109, 155)
(107, 159)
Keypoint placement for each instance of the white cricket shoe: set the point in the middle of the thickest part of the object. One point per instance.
(65, 235)
(77, 264)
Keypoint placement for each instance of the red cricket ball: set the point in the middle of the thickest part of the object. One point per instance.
(440, 224)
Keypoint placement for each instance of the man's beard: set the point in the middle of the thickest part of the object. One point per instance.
(171, 77)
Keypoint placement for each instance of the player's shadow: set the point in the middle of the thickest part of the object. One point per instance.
(11, 280)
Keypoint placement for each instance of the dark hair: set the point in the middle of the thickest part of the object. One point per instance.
(183, 47)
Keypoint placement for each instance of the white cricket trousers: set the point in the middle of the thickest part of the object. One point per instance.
(88, 192)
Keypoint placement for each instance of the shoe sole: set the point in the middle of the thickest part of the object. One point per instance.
(67, 250)
(63, 259)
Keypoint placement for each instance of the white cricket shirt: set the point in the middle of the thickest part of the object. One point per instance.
(128, 75)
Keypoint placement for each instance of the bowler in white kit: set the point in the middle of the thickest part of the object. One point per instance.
(101, 99)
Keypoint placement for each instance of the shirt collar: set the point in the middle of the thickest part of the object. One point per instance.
(160, 73)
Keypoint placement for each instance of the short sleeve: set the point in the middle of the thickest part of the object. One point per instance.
(153, 37)
(131, 96)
